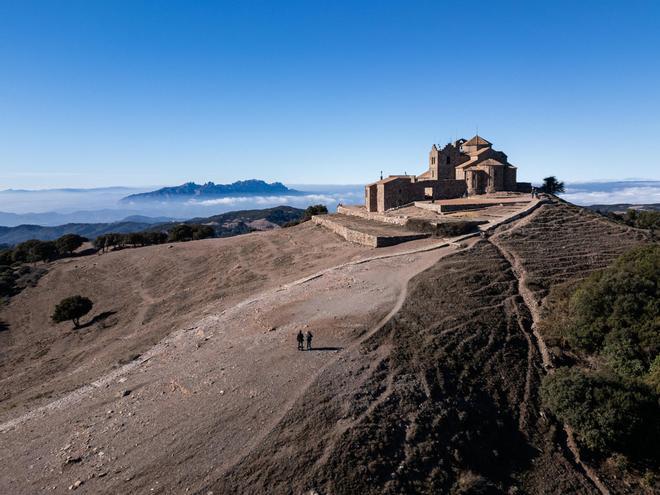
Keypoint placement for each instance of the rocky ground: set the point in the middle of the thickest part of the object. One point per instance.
(424, 378)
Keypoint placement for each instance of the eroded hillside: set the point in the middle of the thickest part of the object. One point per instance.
(425, 378)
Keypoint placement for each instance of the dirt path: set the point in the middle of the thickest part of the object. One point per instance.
(224, 382)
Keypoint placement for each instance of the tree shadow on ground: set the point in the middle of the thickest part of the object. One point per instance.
(98, 318)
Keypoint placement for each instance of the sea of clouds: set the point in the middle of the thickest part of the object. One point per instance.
(56, 207)
(593, 193)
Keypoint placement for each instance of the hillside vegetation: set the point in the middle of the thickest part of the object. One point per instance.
(610, 325)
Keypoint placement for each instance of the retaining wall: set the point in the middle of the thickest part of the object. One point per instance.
(371, 240)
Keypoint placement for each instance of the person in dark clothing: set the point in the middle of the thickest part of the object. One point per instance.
(301, 339)
(309, 340)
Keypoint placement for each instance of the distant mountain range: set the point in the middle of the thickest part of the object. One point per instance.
(225, 224)
(622, 207)
(52, 219)
(210, 190)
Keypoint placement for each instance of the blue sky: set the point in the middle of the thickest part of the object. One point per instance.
(98, 93)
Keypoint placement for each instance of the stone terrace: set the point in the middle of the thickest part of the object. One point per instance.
(367, 232)
(411, 222)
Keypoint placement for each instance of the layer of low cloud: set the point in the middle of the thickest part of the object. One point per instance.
(306, 199)
(55, 207)
(635, 194)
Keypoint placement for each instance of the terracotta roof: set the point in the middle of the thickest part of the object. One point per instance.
(474, 161)
(477, 141)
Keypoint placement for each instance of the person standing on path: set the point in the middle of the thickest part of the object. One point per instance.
(300, 339)
(309, 340)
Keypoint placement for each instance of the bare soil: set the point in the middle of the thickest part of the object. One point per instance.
(423, 377)
(140, 296)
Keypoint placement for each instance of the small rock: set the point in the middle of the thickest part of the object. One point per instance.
(76, 485)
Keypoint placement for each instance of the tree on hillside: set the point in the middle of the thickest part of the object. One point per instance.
(6, 257)
(551, 185)
(69, 243)
(72, 308)
(181, 232)
(202, 231)
(34, 250)
(136, 239)
(315, 210)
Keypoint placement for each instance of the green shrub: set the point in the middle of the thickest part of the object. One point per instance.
(34, 250)
(314, 210)
(606, 414)
(72, 308)
(181, 233)
(616, 311)
(653, 376)
(202, 231)
(6, 257)
(69, 243)
(649, 220)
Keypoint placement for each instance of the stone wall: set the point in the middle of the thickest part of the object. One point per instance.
(369, 215)
(399, 192)
(371, 197)
(371, 240)
(524, 187)
(510, 179)
(348, 234)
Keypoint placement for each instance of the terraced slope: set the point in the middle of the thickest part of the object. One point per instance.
(562, 242)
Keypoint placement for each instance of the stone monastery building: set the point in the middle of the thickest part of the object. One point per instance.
(460, 168)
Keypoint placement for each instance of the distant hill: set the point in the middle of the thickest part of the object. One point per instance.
(225, 225)
(52, 218)
(211, 190)
(20, 233)
(622, 207)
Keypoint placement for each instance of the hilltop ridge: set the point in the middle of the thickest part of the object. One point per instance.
(424, 379)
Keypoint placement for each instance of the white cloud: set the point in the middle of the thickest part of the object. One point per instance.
(305, 199)
(634, 195)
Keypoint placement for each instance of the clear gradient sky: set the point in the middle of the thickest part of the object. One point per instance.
(96, 93)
